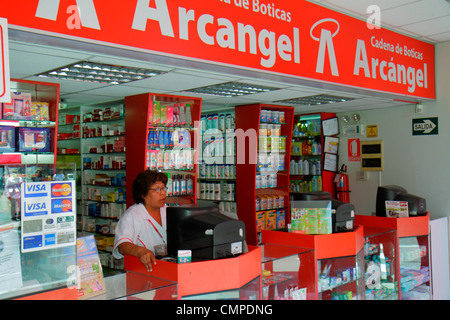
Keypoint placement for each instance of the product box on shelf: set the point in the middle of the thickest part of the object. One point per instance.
(39, 111)
(7, 139)
(19, 107)
(33, 139)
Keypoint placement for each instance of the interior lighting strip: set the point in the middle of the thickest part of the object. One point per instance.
(315, 100)
(100, 73)
(231, 89)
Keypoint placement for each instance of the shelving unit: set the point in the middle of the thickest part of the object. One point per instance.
(143, 123)
(255, 146)
(94, 138)
(216, 176)
(41, 96)
(308, 143)
(69, 142)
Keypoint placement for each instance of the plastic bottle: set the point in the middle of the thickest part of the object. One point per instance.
(305, 167)
(190, 185)
(314, 184)
(314, 148)
(169, 185)
(160, 138)
(319, 183)
(292, 169)
(187, 138)
(183, 185)
(176, 186)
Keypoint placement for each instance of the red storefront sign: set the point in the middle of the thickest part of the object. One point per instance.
(294, 38)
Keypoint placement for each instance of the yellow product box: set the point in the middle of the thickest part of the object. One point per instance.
(156, 113)
(260, 221)
(163, 117)
(271, 220)
(39, 111)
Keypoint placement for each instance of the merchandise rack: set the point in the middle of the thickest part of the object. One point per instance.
(328, 183)
(248, 121)
(138, 116)
(42, 92)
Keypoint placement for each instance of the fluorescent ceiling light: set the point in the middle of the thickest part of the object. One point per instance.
(100, 73)
(315, 100)
(231, 89)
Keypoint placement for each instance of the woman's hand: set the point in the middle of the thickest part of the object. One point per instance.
(145, 255)
(147, 258)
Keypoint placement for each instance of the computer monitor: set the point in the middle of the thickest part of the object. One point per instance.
(416, 204)
(202, 229)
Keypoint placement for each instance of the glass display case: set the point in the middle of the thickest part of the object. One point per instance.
(341, 278)
(413, 259)
(249, 291)
(238, 277)
(22, 272)
(381, 263)
(137, 286)
(287, 273)
(414, 268)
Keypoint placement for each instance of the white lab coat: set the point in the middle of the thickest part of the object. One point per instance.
(138, 227)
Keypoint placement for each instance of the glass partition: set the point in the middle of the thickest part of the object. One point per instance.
(31, 272)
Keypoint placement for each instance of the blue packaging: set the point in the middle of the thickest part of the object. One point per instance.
(33, 139)
(7, 139)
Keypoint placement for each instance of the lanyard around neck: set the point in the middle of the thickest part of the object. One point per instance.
(156, 230)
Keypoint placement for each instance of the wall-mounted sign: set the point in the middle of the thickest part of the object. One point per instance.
(295, 38)
(372, 155)
(48, 215)
(425, 126)
(5, 91)
(354, 149)
(372, 131)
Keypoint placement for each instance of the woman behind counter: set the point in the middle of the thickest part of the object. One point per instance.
(143, 225)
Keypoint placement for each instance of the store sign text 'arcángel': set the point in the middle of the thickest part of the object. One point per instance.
(294, 38)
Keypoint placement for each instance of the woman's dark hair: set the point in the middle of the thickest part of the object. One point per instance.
(144, 181)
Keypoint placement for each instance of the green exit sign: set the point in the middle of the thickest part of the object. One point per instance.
(425, 126)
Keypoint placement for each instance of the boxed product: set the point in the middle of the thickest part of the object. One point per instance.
(33, 139)
(39, 111)
(311, 217)
(7, 139)
(156, 112)
(260, 221)
(271, 220)
(281, 219)
(19, 107)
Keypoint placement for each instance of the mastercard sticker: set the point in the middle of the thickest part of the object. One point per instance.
(61, 205)
(61, 190)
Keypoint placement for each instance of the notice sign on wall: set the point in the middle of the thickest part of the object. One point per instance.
(354, 150)
(5, 92)
(48, 215)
